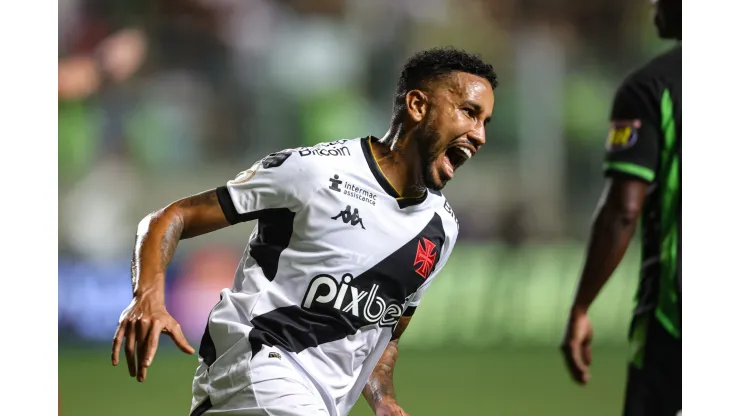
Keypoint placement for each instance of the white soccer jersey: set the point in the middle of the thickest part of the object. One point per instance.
(336, 258)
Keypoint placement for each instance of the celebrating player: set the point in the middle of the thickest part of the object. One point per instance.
(643, 163)
(349, 235)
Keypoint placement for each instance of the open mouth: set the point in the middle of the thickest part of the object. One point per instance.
(458, 155)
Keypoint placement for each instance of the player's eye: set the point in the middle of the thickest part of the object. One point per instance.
(469, 112)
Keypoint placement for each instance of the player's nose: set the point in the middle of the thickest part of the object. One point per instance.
(477, 136)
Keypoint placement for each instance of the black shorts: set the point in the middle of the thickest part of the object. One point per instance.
(654, 379)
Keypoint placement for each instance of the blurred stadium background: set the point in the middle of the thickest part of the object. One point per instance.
(160, 99)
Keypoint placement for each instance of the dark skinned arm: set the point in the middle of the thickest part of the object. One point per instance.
(379, 391)
(157, 237)
(617, 216)
(631, 161)
(616, 220)
(159, 233)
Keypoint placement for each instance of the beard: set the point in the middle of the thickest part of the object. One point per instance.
(426, 139)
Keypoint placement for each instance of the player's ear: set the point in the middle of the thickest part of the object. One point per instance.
(417, 105)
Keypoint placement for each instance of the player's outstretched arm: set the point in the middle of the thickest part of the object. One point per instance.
(379, 391)
(616, 219)
(157, 237)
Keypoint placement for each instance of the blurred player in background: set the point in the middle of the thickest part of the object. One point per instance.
(349, 235)
(643, 166)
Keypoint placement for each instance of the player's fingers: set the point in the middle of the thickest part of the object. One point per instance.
(587, 355)
(569, 354)
(130, 348)
(117, 341)
(575, 373)
(143, 328)
(572, 368)
(152, 343)
(174, 330)
(578, 362)
(140, 354)
(567, 350)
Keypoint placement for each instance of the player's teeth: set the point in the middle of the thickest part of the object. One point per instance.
(466, 151)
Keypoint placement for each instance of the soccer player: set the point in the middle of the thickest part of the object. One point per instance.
(643, 166)
(349, 235)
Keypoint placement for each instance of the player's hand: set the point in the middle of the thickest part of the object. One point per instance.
(140, 324)
(576, 346)
(389, 409)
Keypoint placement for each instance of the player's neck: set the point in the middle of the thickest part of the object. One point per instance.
(399, 162)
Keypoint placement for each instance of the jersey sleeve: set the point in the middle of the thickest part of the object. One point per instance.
(632, 146)
(415, 298)
(277, 181)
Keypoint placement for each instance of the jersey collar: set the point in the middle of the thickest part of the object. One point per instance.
(383, 181)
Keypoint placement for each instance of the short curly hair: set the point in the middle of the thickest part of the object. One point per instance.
(431, 64)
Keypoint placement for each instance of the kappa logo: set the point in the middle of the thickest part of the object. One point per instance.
(425, 257)
(352, 190)
(349, 217)
(274, 355)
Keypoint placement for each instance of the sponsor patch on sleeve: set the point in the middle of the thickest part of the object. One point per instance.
(246, 175)
(622, 134)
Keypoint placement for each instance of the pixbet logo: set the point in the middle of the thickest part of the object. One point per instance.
(366, 305)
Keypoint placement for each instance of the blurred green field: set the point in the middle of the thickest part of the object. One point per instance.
(450, 381)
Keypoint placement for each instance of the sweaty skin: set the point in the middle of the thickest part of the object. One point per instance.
(440, 125)
(455, 112)
(616, 220)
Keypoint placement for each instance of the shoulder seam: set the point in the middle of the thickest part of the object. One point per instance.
(311, 179)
